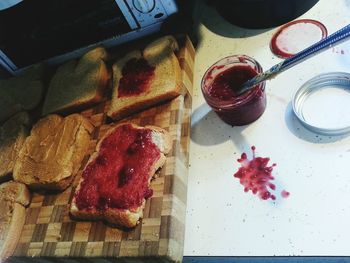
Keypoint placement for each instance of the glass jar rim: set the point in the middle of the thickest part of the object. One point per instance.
(241, 99)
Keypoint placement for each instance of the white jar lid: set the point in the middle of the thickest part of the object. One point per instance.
(295, 36)
(322, 104)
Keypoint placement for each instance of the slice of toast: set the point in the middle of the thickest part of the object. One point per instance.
(77, 85)
(14, 197)
(141, 80)
(12, 135)
(52, 154)
(115, 182)
(23, 92)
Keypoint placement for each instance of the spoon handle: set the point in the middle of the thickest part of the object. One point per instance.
(326, 43)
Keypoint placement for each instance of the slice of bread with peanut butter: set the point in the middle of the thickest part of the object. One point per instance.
(52, 154)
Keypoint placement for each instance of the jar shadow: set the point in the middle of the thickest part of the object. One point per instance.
(298, 130)
(208, 129)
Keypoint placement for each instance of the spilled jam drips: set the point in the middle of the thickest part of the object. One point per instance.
(285, 194)
(256, 176)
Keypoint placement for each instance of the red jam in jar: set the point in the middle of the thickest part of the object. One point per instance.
(219, 87)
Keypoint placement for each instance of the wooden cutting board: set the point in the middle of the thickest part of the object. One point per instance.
(51, 235)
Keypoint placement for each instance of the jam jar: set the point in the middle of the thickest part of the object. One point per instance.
(219, 87)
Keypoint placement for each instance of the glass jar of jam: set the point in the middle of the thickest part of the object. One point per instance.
(219, 86)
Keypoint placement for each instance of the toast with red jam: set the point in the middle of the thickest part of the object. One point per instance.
(115, 182)
(14, 197)
(143, 79)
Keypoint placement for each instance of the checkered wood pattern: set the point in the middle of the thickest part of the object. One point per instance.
(51, 235)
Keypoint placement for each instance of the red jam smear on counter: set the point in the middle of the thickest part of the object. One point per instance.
(256, 176)
(136, 77)
(119, 176)
(225, 83)
(285, 194)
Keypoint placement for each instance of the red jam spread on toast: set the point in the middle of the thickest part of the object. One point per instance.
(225, 84)
(119, 176)
(137, 75)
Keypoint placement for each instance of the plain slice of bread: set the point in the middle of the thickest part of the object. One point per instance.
(12, 135)
(123, 217)
(22, 92)
(52, 154)
(165, 85)
(78, 84)
(14, 197)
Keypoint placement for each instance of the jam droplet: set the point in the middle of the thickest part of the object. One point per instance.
(256, 176)
(285, 194)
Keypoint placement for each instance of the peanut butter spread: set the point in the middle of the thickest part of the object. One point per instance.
(54, 150)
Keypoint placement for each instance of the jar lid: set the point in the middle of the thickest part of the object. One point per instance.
(295, 36)
(322, 104)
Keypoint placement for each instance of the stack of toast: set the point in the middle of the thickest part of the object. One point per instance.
(21, 93)
(14, 197)
(48, 156)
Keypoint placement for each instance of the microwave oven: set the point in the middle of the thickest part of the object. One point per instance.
(32, 31)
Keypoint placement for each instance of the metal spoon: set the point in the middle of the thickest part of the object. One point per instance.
(326, 43)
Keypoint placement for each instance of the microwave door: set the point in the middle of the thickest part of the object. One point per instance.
(37, 30)
(33, 31)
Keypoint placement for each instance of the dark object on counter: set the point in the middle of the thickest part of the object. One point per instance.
(261, 13)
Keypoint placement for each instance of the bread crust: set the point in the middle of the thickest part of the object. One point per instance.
(164, 45)
(123, 217)
(15, 192)
(14, 91)
(78, 105)
(94, 57)
(45, 152)
(159, 54)
(14, 197)
(14, 231)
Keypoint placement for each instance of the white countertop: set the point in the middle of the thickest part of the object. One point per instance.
(222, 220)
